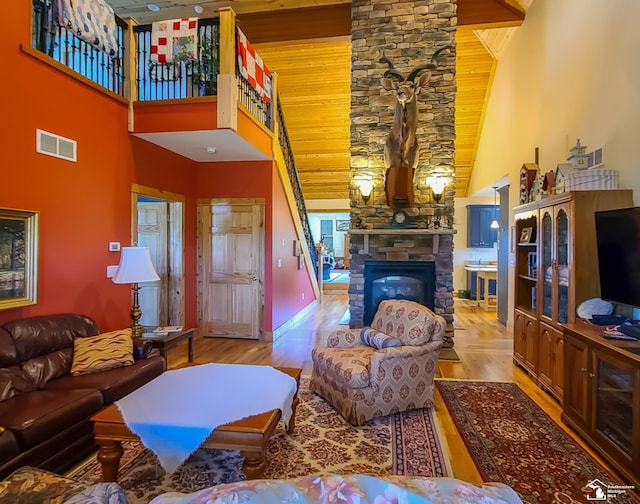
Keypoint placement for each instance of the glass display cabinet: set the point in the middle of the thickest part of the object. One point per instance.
(556, 267)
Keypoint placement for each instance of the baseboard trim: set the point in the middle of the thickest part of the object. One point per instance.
(292, 322)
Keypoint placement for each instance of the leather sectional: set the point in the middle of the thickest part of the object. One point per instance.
(44, 411)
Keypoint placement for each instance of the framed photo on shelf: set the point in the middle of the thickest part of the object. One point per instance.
(526, 235)
(342, 225)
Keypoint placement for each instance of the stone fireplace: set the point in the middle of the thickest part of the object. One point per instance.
(406, 33)
(428, 249)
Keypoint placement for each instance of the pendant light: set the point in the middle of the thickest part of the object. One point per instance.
(494, 223)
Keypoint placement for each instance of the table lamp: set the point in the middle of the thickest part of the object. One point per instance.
(135, 267)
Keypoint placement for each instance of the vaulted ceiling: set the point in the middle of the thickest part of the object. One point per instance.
(307, 43)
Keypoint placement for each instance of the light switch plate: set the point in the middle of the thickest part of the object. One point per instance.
(114, 246)
(111, 271)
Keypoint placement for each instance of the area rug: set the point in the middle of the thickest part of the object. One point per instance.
(407, 443)
(513, 441)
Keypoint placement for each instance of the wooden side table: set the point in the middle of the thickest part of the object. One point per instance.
(164, 342)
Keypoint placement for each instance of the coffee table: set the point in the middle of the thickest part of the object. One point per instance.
(250, 436)
(164, 342)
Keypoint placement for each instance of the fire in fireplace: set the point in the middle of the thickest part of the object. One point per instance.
(410, 280)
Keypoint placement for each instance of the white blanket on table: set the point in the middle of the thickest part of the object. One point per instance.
(177, 411)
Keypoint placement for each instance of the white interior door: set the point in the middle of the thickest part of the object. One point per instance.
(231, 268)
(152, 233)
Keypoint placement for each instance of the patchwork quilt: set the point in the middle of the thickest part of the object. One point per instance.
(92, 21)
(174, 40)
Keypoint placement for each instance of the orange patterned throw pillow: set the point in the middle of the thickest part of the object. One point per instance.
(98, 353)
(378, 340)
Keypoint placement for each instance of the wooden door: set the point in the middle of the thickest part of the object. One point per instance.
(231, 268)
(531, 344)
(545, 362)
(576, 380)
(152, 233)
(518, 337)
(558, 365)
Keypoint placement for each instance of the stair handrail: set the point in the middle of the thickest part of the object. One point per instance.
(290, 162)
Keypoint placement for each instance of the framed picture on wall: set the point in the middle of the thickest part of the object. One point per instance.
(18, 258)
(342, 225)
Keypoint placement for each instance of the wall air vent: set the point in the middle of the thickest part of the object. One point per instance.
(55, 145)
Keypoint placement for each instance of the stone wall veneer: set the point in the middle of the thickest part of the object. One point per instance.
(407, 33)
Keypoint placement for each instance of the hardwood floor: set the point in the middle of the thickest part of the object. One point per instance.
(483, 344)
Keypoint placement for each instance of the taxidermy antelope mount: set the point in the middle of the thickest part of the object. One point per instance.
(401, 150)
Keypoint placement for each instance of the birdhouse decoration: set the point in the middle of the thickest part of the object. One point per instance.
(528, 175)
(562, 172)
(549, 183)
(578, 156)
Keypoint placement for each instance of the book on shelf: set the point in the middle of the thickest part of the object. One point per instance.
(167, 329)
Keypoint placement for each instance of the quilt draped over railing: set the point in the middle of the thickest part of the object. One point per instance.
(252, 68)
(174, 40)
(92, 21)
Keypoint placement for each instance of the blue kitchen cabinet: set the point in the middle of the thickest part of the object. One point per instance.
(479, 232)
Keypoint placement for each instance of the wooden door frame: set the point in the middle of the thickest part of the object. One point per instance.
(175, 236)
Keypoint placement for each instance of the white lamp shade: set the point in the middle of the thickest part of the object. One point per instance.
(135, 266)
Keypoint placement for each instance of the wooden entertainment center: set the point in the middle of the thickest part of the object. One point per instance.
(602, 395)
(556, 268)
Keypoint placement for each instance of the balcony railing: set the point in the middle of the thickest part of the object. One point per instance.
(179, 79)
(64, 47)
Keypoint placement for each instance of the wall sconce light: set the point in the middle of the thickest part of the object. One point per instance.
(438, 180)
(364, 181)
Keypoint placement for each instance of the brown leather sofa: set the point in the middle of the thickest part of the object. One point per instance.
(44, 411)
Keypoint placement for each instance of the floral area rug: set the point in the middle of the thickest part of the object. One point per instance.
(513, 441)
(322, 442)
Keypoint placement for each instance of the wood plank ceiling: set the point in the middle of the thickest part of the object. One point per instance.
(307, 43)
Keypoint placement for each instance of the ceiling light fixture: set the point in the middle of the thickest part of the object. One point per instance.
(153, 7)
(198, 9)
(494, 223)
(211, 150)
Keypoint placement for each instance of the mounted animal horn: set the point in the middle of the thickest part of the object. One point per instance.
(427, 66)
(392, 72)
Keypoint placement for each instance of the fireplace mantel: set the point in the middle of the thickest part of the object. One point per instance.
(403, 232)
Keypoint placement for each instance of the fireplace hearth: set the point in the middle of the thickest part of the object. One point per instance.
(410, 280)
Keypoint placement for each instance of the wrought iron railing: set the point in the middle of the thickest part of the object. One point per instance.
(259, 107)
(80, 56)
(285, 145)
(179, 79)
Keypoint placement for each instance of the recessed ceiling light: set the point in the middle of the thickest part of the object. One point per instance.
(153, 7)
(211, 150)
(198, 9)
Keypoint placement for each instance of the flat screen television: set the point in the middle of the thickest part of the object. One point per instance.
(618, 243)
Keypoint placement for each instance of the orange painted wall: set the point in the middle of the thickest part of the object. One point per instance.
(175, 116)
(291, 289)
(82, 205)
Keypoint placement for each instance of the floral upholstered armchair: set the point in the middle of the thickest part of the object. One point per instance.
(387, 368)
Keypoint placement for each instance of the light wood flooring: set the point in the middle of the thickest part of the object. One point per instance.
(483, 344)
